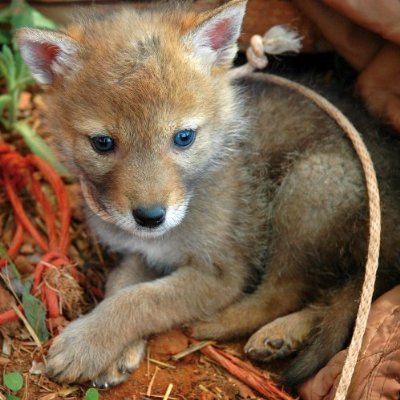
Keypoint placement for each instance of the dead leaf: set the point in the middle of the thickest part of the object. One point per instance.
(169, 343)
(37, 368)
(25, 101)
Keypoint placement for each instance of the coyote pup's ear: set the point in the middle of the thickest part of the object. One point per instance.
(47, 54)
(214, 38)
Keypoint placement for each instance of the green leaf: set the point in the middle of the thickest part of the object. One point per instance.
(5, 14)
(5, 37)
(24, 82)
(7, 68)
(12, 397)
(26, 16)
(3, 254)
(23, 75)
(39, 147)
(92, 394)
(3, 70)
(5, 101)
(14, 381)
(35, 313)
(8, 58)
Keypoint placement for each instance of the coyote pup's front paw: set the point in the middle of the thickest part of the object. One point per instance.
(81, 352)
(120, 369)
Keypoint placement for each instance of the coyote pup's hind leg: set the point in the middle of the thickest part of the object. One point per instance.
(281, 337)
(315, 332)
(316, 213)
(249, 313)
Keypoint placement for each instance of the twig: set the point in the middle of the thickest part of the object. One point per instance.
(148, 392)
(148, 362)
(196, 346)
(168, 392)
(7, 282)
(245, 373)
(98, 252)
(28, 326)
(245, 365)
(28, 344)
(161, 364)
(26, 390)
(156, 396)
(206, 390)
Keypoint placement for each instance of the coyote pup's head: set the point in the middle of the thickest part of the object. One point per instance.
(141, 106)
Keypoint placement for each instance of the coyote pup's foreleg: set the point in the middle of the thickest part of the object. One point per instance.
(131, 271)
(93, 343)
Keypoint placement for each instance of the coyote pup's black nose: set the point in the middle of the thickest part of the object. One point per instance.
(149, 217)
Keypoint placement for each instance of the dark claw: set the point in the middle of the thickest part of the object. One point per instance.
(51, 374)
(274, 343)
(125, 370)
(258, 354)
(104, 385)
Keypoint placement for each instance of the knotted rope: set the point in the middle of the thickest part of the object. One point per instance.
(278, 40)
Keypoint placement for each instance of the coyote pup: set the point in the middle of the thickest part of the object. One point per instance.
(206, 185)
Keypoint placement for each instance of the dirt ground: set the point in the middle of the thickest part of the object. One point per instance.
(193, 377)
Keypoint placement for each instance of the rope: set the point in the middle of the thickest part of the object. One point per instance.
(258, 60)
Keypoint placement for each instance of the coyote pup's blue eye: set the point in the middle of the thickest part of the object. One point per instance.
(102, 143)
(184, 138)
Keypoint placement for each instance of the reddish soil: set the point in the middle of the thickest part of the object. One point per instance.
(193, 377)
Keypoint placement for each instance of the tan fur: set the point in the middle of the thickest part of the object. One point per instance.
(281, 337)
(270, 189)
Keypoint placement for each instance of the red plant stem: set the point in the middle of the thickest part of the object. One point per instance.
(97, 292)
(9, 316)
(17, 171)
(40, 267)
(60, 261)
(37, 277)
(17, 240)
(243, 364)
(21, 215)
(80, 278)
(48, 213)
(51, 301)
(15, 244)
(62, 197)
(245, 373)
